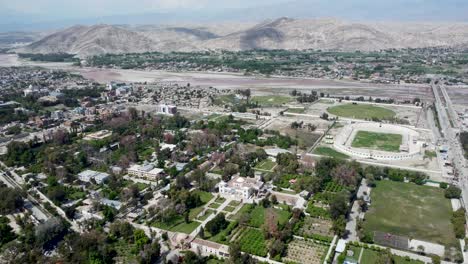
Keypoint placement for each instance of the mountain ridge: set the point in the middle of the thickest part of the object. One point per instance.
(281, 33)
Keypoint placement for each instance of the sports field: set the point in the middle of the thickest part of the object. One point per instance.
(377, 141)
(410, 210)
(271, 100)
(361, 111)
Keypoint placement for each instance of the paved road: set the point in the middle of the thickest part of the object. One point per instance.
(30, 203)
(450, 139)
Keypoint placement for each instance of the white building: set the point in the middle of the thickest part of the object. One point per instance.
(208, 248)
(167, 109)
(87, 175)
(240, 188)
(145, 171)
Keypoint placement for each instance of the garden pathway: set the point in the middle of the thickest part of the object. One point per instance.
(209, 218)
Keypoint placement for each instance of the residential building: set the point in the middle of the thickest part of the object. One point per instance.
(145, 171)
(207, 248)
(167, 109)
(87, 175)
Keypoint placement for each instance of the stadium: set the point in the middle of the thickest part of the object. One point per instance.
(409, 147)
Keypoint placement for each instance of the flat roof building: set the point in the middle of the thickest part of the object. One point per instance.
(145, 171)
(87, 175)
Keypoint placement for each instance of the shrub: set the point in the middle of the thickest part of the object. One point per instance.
(452, 192)
(443, 185)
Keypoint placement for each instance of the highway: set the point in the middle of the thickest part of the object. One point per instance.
(447, 116)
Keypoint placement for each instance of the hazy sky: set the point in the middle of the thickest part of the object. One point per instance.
(54, 14)
(88, 8)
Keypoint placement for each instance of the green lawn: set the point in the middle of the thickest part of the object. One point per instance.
(267, 165)
(271, 100)
(361, 111)
(206, 215)
(410, 210)
(229, 209)
(377, 141)
(244, 209)
(234, 203)
(194, 212)
(258, 216)
(204, 196)
(214, 205)
(220, 200)
(329, 152)
(369, 256)
(185, 228)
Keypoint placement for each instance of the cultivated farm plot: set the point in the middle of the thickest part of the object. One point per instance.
(410, 210)
(252, 241)
(316, 226)
(377, 141)
(361, 111)
(305, 252)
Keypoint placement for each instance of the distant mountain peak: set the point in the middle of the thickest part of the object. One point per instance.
(281, 33)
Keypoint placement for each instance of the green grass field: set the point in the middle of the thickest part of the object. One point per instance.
(361, 111)
(258, 216)
(271, 100)
(205, 197)
(185, 228)
(266, 165)
(329, 152)
(377, 141)
(411, 210)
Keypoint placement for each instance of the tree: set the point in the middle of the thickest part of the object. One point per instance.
(271, 224)
(140, 238)
(10, 200)
(133, 113)
(339, 226)
(277, 248)
(345, 175)
(201, 233)
(217, 224)
(6, 234)
(49, 230)
(421, 249)
(150, 253)
(452, 192)
(235, 253)
(339, 205)
(229, 170)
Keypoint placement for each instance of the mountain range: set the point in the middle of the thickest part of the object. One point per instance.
(282, 33)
